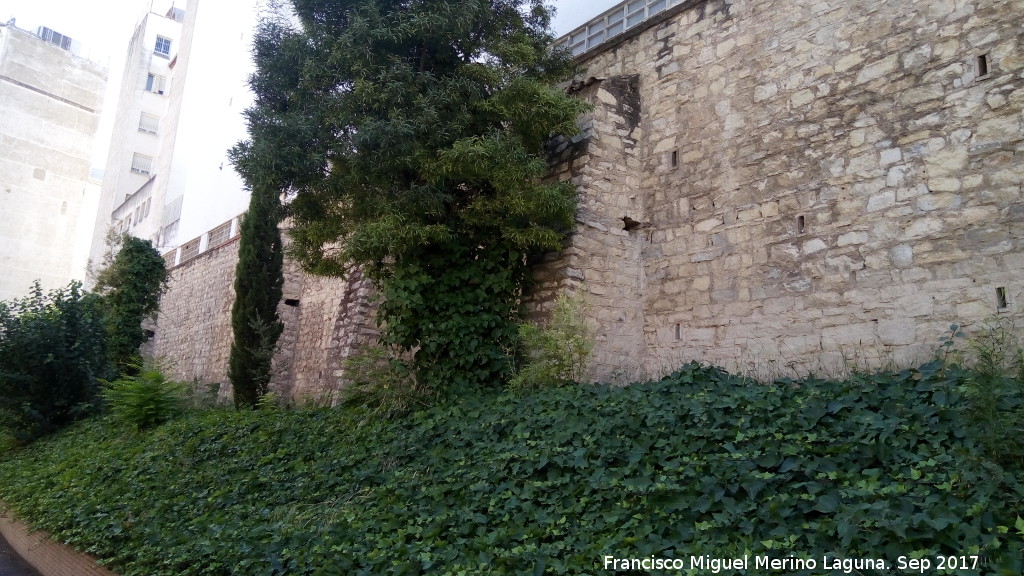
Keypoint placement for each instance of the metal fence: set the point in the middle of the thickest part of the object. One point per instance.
(612, 23)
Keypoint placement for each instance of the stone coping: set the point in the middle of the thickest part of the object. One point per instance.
(49, 557)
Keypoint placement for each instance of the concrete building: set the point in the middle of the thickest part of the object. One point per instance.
(50, 103)
(168, 177)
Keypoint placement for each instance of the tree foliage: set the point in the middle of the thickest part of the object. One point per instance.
(259, 281)
(411, 136)
(131, 286)
(52, 355)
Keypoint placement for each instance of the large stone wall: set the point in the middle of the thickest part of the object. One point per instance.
(795, 187)
(773, 188)
(325, 320)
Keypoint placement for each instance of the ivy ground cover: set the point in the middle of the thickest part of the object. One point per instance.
(700, 466)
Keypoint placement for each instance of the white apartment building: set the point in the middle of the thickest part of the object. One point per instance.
(168, 177)
(50, 105)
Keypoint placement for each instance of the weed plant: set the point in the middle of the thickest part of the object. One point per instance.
(383, 384)
(145, 399)
(558, 353)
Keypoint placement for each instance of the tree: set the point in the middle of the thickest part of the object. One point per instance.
(259, 280)
(411, 138)
(131, 286)
(52, 356)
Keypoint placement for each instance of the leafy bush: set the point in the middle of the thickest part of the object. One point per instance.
(52, 355)
(382, 383)
(131, 286)
(994, 390)
(559, 352)
(146, 398)
(548, 481)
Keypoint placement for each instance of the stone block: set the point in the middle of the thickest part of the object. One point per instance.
(877, 69)
(813, 245)
(852, 238)
(881, 201)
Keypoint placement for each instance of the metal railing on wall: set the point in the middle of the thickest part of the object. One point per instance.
(612, 23)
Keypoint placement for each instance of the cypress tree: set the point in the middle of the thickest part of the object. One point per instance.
(259, 280)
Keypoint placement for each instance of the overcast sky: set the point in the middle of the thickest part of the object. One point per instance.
(105, 26)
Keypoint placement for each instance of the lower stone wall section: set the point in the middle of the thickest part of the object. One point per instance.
(49, 557)
(326, 320)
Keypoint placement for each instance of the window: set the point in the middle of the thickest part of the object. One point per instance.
(142, 164)
(155, 83)
(163, 47)
(55, 38)
(983, 67)
(1001, 302)
(149, 123)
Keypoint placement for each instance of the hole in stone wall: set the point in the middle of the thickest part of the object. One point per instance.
(149, 334)
(1001, 302)
(629, 224)
(679, 331)
(292, 302)
(800, 224)
(675, 158)
(983, 65)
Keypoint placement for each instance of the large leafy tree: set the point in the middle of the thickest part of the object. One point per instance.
(411, 136)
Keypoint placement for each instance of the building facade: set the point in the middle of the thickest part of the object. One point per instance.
(168, 176)
(50, 104)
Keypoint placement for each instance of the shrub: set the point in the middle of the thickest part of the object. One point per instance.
(131, 286)
(146, 398)
(993, 388)
(380, 381)
(559, 352)
(52, 356)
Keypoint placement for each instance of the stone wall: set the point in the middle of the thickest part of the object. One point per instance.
(193, 328)
(772, 188)
(325, 320)
(798, 187)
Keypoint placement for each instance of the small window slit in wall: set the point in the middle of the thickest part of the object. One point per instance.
(675, 158)
(291, 302)
(983, 65)
(1001, 302)
(800, 224)
(679, 331)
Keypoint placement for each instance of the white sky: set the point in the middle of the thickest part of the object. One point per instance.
(104, 27)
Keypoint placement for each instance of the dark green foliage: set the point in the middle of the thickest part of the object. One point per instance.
(458, 304)
(52, 354)
(131, 288)
(994, 390)
(259, 280)
(144, 399)
(409, 130)
(547, 481)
